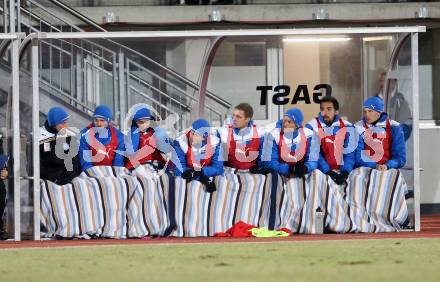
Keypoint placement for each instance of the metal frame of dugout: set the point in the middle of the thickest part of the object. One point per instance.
(12, 41)
(35, 37)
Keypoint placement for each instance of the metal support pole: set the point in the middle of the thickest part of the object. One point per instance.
(122, 92)
(5, 18)
(11, 16)
(274, 75)
(280, 74)
(35, 137)
(79, 82)
(16, 136)
(415, 103)
(115, 87)
(364, 67)
(18, 15)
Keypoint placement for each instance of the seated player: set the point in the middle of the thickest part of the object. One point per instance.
(381, 152)
(101, 144)
(198, 152)
(381, 143)
(337, 154)
(243, 141)
(142, 143)
(290, 143)
(52, 167)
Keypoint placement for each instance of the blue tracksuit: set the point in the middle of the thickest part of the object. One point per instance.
(241, 136)
(398, 149)
(85, 152)
(271, 149)
(163, 142)
(350, 142)
(215, 168)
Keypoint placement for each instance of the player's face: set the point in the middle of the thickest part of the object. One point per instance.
(196, 139)
(99, 122)
(370, 115)
(328, 111)
(239, 120)
(61, 126)
(143, 124)
(288, 124)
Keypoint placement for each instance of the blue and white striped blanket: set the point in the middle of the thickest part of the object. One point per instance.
(240, 196)
(112, 202)
(106, 202)
(94, 204)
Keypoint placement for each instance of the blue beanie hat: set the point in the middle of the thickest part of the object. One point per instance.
(296, 115)
(103, 112)
(142, 113)
(56, 115)
(375, 103)
(201, 126)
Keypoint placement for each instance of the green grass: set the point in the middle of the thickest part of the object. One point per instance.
(353, 260)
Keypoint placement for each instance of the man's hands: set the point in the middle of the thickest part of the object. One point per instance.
(209, 184)
(259, 170)
(333, 175)
(192, 174)
(298, 170)
(338, 178)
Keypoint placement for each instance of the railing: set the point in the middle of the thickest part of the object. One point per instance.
(90, 73)
(76, 70)
(177, 96)
(168, 71)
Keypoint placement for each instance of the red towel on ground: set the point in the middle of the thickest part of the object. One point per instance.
(240, 229)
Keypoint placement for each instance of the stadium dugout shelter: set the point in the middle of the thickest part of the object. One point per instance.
(272, 69)
(11, 81)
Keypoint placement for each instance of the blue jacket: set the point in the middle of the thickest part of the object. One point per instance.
(85, 152)
(163, 142)
(398, 149)
(223, 134)
(271, 148)
(181, 147)
(350, 142)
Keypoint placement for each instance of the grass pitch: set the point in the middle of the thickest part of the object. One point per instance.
(352, 260)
